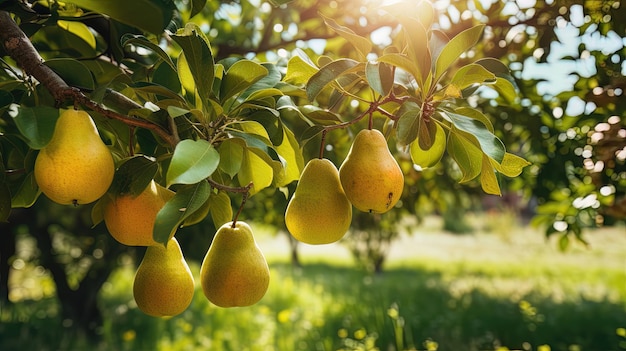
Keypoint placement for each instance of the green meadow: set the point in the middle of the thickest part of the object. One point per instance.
(505, 288)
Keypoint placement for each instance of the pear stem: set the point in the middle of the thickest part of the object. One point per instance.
(323, 143)
(245, 190)
(131, 140)
(243, 202)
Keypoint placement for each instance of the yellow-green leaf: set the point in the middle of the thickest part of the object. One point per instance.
(80, 30)
(466, 152)
(471, 74)
(192, 161)
(231, 155)
(511, 166)
(455, 47)
(432, 156)
(221, 209)
(289, 150)
(255, 170)
(488, 179)
(361, 44)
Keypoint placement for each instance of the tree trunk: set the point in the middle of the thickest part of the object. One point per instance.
(79, 308)
(7, 250)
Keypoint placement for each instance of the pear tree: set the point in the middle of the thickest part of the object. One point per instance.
(173, 112)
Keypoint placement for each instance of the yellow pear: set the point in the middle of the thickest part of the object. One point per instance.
(76, 167)
(130, 219)
(163, 285)
(234, 271)
(319, 211)
(370, 176)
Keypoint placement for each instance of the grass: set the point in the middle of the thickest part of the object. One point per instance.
(485, 291)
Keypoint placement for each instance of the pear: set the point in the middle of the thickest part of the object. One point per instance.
(76, 167)
(319, 211)
(234, 271)
(370, 176)
(163, 285)
(130, 219)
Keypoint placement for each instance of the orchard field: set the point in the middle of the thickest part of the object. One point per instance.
(495, 289)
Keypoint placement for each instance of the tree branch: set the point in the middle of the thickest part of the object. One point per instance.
(19, 47)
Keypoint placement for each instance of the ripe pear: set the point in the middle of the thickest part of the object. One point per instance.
(234, 271)
(76, 167)
(163, 285)
(130, 219)
(370, 176)
(319, 211)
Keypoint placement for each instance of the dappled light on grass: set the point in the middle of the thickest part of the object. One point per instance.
(438, 292)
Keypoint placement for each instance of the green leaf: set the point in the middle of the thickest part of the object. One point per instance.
(152, 88)
(231, 155)
(418, 50)
(73, 72)
(192, 161)
(196, 7)
(511, 165)
(198, 215)
(477, 115)
(26, 193)
(290, 151)
(185, 75)
(5, 203)
(361, 44)
(498, 68)
(401, 61)
(489, 143)
(299, 70)
(380, 77)
(35, 123)
(80, 30)
(148, 15)
(198, 58)
(327, 74)
(133, 176)
(471, 74)
(466, 152)
(319, 115)
(187, 200)
(6, 98)
(221, 209)
(426, 158)
(255, 170)
(167, 77)
(488, 179)
(455, 47)
(506, 90)
(438, 41)
(426, 133)
(175, 111)
(241, 75)
(309, 133)
(264, 93)
(142, 41)
(409, 122)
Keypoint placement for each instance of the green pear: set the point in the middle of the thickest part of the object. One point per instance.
(163, 285)
(76, 167)
(370, 176)
(319, 211)
(234, 271)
